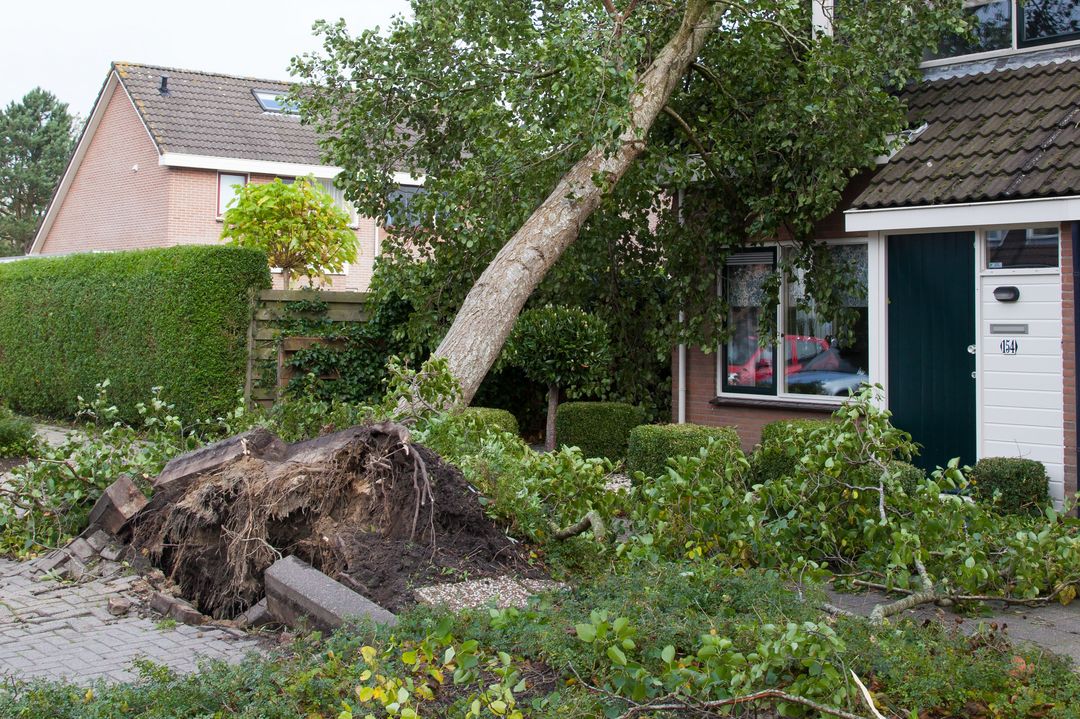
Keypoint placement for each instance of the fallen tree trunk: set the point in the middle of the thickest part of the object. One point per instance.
(486, 317)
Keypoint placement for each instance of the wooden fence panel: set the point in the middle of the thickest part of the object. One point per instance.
(269, 309)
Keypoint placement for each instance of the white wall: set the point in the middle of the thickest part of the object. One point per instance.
(1020, 407)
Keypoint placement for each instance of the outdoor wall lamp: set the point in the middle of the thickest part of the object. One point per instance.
(1006, 294)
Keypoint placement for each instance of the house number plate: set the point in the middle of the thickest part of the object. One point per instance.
(1009, 347)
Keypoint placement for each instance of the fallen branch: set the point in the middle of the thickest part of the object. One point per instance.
(866, 696)
(709, 707)
(1027, 602)
(674, 703)
(591, 520)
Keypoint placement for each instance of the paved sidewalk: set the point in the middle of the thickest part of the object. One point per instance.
(1053, 627)
(52, 630)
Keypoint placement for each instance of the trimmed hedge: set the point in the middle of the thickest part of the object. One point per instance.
(784, 430)
(783, 444)
(1023, 484)
(494, 419)
(651, 445)
(174, 317)
(599, 429)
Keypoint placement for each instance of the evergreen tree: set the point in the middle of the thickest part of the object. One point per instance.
(36, 139)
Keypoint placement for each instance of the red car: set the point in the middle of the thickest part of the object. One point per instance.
(757, 369)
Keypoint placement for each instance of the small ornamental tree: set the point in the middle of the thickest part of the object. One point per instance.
(564, 348)
(297, 225)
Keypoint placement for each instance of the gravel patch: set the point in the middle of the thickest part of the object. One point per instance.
(502, 592)
(618, 482)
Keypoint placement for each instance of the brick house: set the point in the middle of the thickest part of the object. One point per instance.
(162, 153)
(964, 244)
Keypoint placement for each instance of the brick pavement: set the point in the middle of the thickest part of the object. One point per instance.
(64, 631)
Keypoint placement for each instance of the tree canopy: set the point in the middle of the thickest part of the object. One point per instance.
(296, 224)
(495, 103)
(36, 139)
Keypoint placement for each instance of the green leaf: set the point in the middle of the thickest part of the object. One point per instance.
(616, 655)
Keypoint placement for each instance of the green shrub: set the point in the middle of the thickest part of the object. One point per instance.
(785, 429)
(498, 420)
(909, 476)
(600, 429)
(1021, 482)
(652, 445)
(783, 444)
(16, 434)
(175, 318)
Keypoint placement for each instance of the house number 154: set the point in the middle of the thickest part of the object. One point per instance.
(1009, 347)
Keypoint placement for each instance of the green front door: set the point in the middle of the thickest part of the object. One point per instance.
(931, 327)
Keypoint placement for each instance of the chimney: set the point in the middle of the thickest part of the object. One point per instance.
(164, 88)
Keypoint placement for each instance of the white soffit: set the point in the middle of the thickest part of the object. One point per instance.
(265, 167)
(1008, 212)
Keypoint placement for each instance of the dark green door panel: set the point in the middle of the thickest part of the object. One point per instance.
(931, 324)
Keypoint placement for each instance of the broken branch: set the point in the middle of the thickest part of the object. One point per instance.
(591, 520)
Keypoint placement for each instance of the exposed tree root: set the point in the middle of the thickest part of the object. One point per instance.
(364, 501)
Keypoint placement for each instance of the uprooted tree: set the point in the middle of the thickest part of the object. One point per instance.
(537, 122)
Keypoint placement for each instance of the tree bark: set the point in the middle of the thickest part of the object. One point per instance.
(486, 317)
(553, 407)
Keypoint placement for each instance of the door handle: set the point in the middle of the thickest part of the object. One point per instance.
(972, 349)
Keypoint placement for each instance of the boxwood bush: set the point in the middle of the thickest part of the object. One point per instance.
(651, 445)
(494, 419)
(783, 443)
(1022, 482)
(599, 429)
(175, 317)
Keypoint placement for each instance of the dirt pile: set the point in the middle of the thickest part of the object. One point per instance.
(365, 506)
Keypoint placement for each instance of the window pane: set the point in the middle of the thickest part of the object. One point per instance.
(829, 356)
(748, 367)
(339, 200)
(227, 187)
(993, 31)
(271, 101)
(1045, 21)
(1022, 249)
(400, 212)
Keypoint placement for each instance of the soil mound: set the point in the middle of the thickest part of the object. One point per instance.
(365, 506)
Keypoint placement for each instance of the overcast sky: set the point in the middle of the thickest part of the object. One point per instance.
(65, 46)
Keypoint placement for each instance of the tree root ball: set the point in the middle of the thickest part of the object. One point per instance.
(364, 505)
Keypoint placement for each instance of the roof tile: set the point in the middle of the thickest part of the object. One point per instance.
(217, 115)
(1007, 134)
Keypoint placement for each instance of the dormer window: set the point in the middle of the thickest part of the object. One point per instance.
(273, 101)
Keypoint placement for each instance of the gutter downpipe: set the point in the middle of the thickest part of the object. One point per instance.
(682, 378)
(1076, 319)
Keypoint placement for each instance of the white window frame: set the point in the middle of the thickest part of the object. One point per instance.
(876, 330)
(247, 180)
(1014, 49)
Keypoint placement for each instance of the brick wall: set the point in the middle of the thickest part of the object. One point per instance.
(193, 219)
(110, 204)
(701, 390)
(1068, 353)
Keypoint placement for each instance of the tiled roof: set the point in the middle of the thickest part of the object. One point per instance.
(216, 115)
(1002, 135)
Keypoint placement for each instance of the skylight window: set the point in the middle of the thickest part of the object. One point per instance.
(272, 101)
